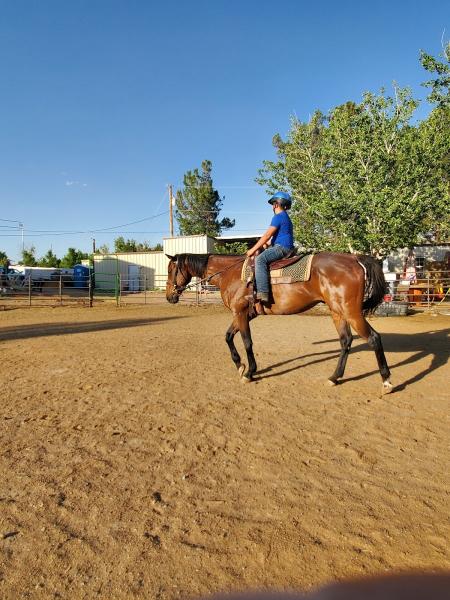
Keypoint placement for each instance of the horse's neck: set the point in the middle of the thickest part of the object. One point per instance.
(218, 263)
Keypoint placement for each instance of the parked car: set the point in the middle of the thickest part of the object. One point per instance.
(12, 274)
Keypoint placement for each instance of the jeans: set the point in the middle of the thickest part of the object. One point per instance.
(262, 263)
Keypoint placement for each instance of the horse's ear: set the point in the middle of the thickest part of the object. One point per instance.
(170, 257)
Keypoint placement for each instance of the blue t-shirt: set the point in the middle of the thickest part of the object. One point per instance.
(284, 235)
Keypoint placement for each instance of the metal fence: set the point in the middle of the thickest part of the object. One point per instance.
(425, 291)
(429, 292)
(95, 289)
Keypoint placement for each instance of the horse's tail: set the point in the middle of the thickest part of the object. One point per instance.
(375, 283)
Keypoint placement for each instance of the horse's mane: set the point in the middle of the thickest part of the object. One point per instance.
(194, 263)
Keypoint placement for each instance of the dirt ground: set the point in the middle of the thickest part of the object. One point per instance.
(135, 464)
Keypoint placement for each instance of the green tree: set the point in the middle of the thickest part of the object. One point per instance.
(29, 257)
(435, 145)
(358, 176)
(73, 257)
(103, 249)
(440, 85)
(3, 258)
(157, 248)
(122, 245)
(198, 204)
(231, 248)
(49, 260)
(435, 153)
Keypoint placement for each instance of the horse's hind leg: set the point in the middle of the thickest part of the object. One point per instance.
(345, 338)
(362, 327)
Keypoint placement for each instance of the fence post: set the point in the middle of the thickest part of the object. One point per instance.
(145, 289)
(91, 289)
(428, 292)
(29, 290)
(60, 289)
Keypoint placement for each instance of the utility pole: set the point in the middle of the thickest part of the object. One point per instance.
(171, 210)
(23, 243)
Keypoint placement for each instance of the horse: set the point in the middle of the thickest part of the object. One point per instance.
(352, 286)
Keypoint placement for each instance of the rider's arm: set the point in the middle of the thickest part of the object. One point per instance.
(262, 240)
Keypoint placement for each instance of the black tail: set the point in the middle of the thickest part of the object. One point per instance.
(375, 287)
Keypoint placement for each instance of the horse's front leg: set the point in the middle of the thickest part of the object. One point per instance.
(243, 321)
(229, 337)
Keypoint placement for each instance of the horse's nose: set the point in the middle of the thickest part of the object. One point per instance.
(173, 298)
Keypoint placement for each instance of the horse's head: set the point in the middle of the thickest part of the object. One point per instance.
(178, 278)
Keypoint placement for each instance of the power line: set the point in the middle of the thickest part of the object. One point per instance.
(87, 231)
(48, 234)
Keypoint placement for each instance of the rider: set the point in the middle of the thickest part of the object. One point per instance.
(280, 236)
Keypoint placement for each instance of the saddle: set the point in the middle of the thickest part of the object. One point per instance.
(284, 262)
(287, 270)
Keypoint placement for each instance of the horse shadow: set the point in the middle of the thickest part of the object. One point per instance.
(422, 345)
(36, 330)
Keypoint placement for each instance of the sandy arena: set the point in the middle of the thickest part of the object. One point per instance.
(135, 464)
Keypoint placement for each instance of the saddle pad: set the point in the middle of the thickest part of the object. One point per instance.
(299, 271)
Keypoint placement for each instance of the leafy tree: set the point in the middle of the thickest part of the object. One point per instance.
(103, 249)
(3, 258)
(435, 153)
(122, 245)
(435, 145)
(440, 85)
(29, 257)
(359, 176)
(73, 257)
(231, 248)
(49, 260)
(198, 205)
(157, 247)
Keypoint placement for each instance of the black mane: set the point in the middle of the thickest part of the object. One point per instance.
(195, 264)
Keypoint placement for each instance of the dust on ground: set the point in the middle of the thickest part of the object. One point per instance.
(135, 464)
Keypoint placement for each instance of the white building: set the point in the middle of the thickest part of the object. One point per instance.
(139, 270)
(421, 255)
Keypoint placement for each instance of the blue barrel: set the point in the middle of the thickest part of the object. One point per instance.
(80, 276)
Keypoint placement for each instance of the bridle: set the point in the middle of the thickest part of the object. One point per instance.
(179, 289)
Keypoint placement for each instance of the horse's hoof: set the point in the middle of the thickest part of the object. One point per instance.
(241, 370)
(245, 380)
(332, 383)
(386, 388)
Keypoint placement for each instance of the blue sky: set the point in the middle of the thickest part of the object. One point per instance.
(103, 103)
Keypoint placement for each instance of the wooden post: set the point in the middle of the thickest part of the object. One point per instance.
(145, 289)
(91, 289)
(171, 210)
(29, 290)
(60, 289)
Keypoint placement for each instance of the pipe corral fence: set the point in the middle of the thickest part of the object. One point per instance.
(96, 289)
(429, 293)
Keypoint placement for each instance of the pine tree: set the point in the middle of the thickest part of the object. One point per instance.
(198, 204)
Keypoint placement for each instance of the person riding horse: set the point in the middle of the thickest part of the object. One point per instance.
(280, 237)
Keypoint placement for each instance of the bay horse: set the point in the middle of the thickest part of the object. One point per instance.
(351, 285)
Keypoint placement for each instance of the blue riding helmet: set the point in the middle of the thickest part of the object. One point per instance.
(283, 199)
